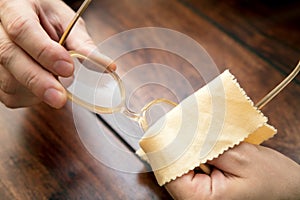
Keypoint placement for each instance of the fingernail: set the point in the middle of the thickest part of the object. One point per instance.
(54, 98)
(113, 66)
(63, 68)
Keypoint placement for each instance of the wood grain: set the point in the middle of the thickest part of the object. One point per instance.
(43, 158)
(249, 68)
(268, 29)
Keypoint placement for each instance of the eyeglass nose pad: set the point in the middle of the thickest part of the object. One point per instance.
(146, 120)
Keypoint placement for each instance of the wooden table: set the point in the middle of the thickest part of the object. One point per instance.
(61, 154)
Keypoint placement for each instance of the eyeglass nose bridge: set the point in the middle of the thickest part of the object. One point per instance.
(140, 117)
(143, 119)
(122, 107)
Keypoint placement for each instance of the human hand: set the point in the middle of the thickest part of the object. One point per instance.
(245, 172)
(30, 56)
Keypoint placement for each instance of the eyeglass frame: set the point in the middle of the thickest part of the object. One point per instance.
(140, 118)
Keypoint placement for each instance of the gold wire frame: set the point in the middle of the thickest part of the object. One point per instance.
(79, 12)
(273, 93)
(141, 117)
(93, 107)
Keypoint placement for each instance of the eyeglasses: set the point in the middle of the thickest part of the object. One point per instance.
(99, 89)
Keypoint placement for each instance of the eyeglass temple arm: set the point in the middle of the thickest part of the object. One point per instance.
(79, 12)
(206, 168)
(259, 105)
(278, 88)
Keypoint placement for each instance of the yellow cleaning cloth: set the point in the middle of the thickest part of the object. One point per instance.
(215, 118)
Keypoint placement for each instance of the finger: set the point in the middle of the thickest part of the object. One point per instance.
(235, 160)
(189, 185)
(51, 27)
(177, 183)
(26, 71)
(12, 93)
(80, 40)
(21, 98)
(175, 187)
(8, 83)
(21, 22)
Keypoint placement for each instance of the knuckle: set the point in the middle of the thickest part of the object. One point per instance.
(81, 22)
(45, 50)
(239, 157)
(17, 26)
(8, 86)
(47, 54)
(7, 49)
(9, 101)
(30, 79)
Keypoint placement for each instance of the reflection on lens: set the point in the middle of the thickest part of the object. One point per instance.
(93, 84)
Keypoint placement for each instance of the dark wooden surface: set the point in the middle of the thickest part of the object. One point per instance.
(50, 154)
